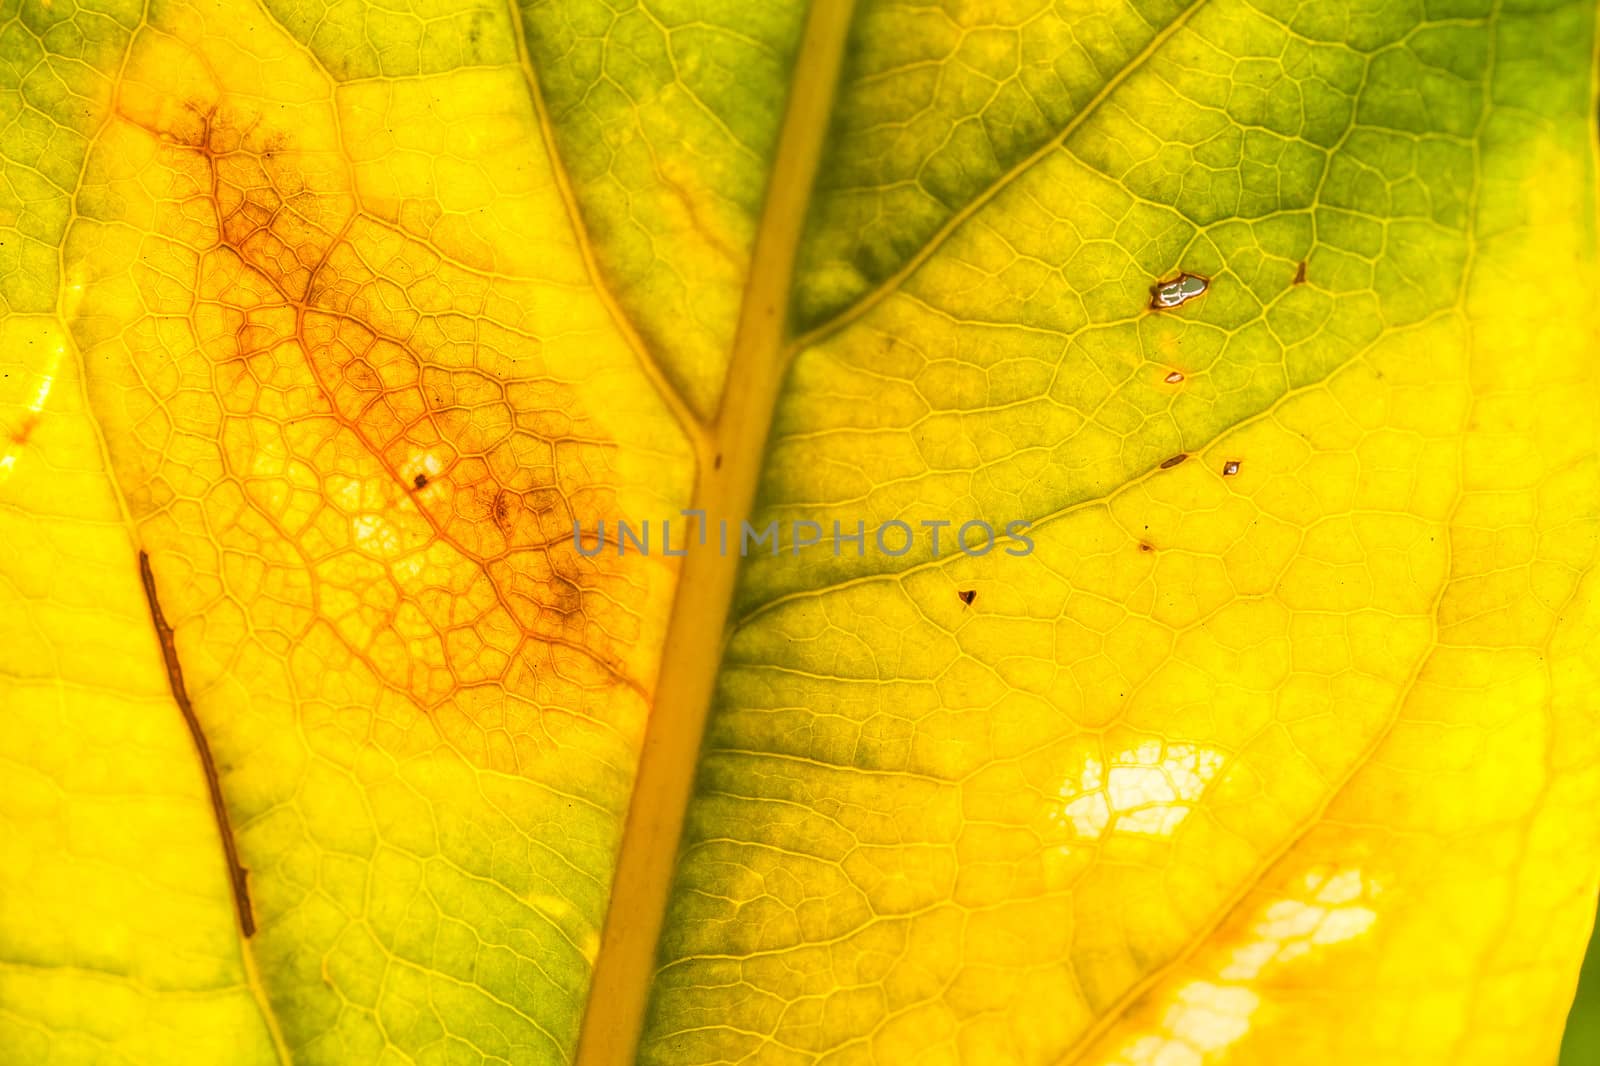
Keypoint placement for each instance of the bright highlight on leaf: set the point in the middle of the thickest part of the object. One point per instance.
(1144, 791)
(1177, 292)
(322, 327)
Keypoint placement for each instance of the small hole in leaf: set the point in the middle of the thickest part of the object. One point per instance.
(1180, 290)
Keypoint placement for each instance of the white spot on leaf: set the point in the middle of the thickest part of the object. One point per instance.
(1148, 790)
(1211, 1013)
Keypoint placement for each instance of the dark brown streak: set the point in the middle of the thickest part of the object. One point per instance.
(237, 874)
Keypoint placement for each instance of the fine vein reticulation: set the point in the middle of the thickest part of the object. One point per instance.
(346, 315)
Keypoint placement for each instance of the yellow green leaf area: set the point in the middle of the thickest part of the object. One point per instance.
(1270, 738)
(340, 353)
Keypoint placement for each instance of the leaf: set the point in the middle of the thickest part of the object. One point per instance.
(1266, 734)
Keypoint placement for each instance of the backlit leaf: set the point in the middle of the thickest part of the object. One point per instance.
(1260, 334)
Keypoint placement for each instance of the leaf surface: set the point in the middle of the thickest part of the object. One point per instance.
(1266, 733)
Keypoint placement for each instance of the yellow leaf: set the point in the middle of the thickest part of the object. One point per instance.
(677, 532)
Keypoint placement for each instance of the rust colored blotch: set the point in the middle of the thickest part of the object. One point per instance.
(967, 596)
(420, 481)
(1173, 378)
(25, 431)
(1146, 546)
(1300, 275)
(1230, 468)
(1174, 461)
(717, 463)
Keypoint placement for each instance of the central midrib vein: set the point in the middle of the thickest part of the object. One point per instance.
(724, 490)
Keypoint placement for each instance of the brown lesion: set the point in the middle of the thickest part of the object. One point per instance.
(238, 876)
(501, 509)
(393, 337)
(24, 432)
